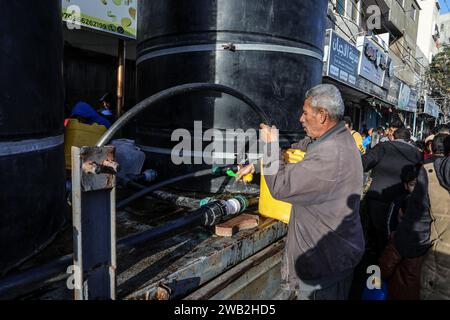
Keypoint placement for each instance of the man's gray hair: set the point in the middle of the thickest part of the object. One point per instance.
(328, 97)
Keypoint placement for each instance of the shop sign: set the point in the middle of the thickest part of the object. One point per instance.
(115, 17)
(413, 98)
(343, 59)
(431, 107)
(374, 61)
(388, 74)
(394, 90)
(372, 89)
(403, 97)
(407, 98)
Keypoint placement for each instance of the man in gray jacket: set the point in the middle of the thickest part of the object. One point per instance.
(325, 239)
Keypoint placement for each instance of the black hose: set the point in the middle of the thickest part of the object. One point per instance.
(191, 219)
(174, 91)
(19, 283)
(122, 204)
(22, 282)
(171, 92)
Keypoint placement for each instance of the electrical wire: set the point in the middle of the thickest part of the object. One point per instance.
(345, 33)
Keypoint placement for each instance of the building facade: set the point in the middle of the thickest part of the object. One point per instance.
(428, 31)
(444, 29)
(389, 70)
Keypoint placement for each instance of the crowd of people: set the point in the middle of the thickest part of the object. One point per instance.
(398, 219)
(399, 216)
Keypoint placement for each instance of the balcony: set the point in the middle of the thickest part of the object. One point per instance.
(420, 62)
(345, 27)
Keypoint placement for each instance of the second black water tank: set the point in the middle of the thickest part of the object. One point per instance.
(32, 175)
(270, 50)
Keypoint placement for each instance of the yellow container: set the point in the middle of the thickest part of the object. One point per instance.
(270, 207)
(80, 135)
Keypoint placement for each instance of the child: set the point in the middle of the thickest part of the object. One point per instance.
(403, 274)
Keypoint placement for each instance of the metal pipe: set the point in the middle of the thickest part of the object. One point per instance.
(120, 77)
(159, 185)
(174, 91)
(177, 200)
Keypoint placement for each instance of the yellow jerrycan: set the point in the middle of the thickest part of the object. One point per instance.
(270, 207)
(78, 134)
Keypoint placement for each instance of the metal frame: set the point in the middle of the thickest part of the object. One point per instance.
(94, 222)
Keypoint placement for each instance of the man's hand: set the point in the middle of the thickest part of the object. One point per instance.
(244, 170)
(268, 134)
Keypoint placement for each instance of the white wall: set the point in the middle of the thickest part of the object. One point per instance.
(427, 20)
(445, 35)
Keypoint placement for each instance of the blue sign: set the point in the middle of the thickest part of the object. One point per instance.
(343, 59)
(394, 91)
(403, 97)
(374, 61)
(413, 98)
(431, 107)
(407, 98)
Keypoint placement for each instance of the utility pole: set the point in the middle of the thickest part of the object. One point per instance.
(120, 77)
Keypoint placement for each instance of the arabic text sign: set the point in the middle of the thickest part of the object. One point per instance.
(374, 60)
(412, 104)
(431, 107)
(343, 60)
(394, 90)
(117, 17)
(407, 98)
(403, 97)
(369, 87)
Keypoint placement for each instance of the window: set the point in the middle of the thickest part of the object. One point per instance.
(412, 13)
(340, 7)
(401, 3)
(354, 10)
(348, 9)
(442, 27)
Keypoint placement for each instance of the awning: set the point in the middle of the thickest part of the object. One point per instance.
(350, 93)
(356, 94)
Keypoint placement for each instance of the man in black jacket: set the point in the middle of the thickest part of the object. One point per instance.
(437, 147)
(388, 161)
(413, 234)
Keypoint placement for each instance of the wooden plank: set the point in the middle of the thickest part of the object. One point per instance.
(242, 222)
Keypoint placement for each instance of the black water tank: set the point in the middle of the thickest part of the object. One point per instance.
(270, 50)
(32, 176)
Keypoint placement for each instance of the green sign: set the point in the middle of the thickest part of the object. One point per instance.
(116, 17)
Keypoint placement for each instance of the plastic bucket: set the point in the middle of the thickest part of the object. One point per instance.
(268, 205)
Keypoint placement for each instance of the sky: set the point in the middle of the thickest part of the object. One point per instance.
(445, 6)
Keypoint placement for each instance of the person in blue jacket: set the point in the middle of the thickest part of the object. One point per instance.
(368, 139)
(87, 114)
